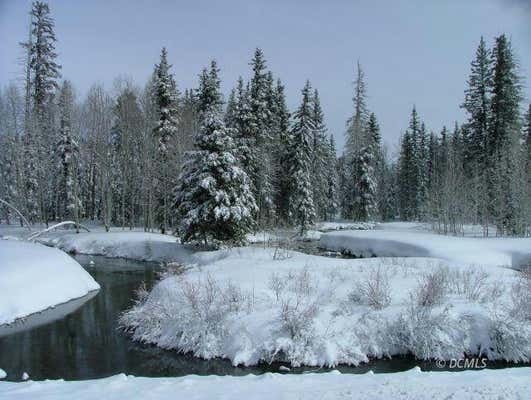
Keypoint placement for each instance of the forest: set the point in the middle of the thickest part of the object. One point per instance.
(213, 169)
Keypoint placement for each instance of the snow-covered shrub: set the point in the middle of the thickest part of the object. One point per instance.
(510, 338)
(521, 296)
(471, 283)
(428, 333)
(277, 284)
(374, 291)
(432, 287)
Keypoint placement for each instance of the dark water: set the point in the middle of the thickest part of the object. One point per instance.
(86, 343)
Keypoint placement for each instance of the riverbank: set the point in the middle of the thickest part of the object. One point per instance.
(504, 384)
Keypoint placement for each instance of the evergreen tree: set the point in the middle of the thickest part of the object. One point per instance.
(43, 72)
(281, 155)
(332, 198)
(67, 153)
(259, 132)
(320, 153)
(302, 207)
(373, 173)
(477, 106)
(164, 132)
(407, 178)
(366, 185)
(502, 143)
(214, 199)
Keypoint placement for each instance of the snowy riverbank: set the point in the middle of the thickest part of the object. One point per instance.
(401, 243)
(505, 384)
(255, 304)
(34, 277)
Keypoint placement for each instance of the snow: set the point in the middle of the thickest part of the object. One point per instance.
(335, 226)
(400, 243)
(34, 277)
(141, 246)
(2, 373)
(261, 304)
(505, 384)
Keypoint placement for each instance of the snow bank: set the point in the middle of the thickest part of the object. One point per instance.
(390, 243)
(34, 277)
(141, 246)
(2, 373)
(481, 385)
(338, 226)
(254, 304)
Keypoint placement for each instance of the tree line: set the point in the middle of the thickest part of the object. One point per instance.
(214, 170)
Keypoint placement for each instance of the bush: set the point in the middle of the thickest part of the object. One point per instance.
(432, 287)
(374, 291)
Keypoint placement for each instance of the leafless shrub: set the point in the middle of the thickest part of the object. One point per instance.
(141, 294)
(432, 287)
(471, 283)
(297, 315)
(521, 295)
(374, 291)
(277, 284)
(170, 269)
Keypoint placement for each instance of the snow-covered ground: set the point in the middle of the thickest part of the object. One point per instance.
(505, 384)
(34, 277)
(140, 246)
(260, 304)
(401, 242)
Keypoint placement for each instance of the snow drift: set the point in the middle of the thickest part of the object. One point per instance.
(472, 385)
(386, 243)
(34, 277)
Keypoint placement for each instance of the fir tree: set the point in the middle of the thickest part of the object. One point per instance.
(477, 106)
(502, 143)
(164, 133)
(332, 200)
(319, 157)
(259, 132)
(214, 199)
(302, 207)
(67, 153)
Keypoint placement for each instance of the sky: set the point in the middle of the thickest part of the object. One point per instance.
(413, 52)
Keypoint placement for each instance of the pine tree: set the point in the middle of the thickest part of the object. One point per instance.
(165, 133)
(366, 185)
(214, 198)
(372, 172)
(302, 207)
(67, 154)
(407, 178)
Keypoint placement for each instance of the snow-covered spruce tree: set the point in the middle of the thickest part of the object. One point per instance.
(281, 154)
(355, 141)
(320, 153)
(477, 106)
(369, 166)
(302, 209)
(67, 155)
(259, 132)
(407, 178)
(502, 142)
(366, 204)
(213, 195)
(164, 132)
(332, 185)
(42, 74)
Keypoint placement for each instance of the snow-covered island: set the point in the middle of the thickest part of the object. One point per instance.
(34, 278)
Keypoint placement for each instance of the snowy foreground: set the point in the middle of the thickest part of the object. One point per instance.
(505, 384)
(255, 304)
(34, 277)
(401, 243)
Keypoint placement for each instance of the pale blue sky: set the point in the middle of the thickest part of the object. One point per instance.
(415, 51)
